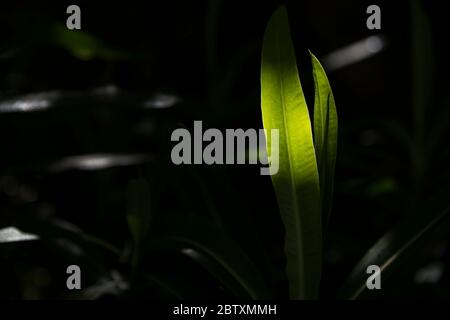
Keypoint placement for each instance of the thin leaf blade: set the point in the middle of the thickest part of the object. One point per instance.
(212, 248)
(390, 251)
(325, 136)
(138, 214)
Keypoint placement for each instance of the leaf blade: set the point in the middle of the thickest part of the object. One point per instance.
(325, 136)
(297, 182)
(138, 214)
(389, 251)
(212, 248)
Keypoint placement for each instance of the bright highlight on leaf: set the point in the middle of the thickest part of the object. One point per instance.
(304, 168)
(12, 234)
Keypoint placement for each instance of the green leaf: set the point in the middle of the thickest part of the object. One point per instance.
(138, 214)
(422, 84)
(81, 44)
(325, 136)
(212, 248)
(391, 250)
(297, 181)
(166, 285)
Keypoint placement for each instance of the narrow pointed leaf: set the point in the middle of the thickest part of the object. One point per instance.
(391, 250)
(325, 136)
(138, 214)
(422, 87)
(213, 249)
(297, 182)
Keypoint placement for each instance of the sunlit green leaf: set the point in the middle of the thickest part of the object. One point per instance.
(325, 136)
(297, 181)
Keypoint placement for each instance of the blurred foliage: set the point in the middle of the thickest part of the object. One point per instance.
(85, 123)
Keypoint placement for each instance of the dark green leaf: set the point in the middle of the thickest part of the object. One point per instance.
(214, 250)
(138, 213)
(390, 251)
(325, 136)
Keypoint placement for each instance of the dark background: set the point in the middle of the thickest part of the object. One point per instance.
(206, 57)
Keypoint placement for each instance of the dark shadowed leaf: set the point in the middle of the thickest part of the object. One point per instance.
(391, 251)
(138, 213)
(211, 247)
